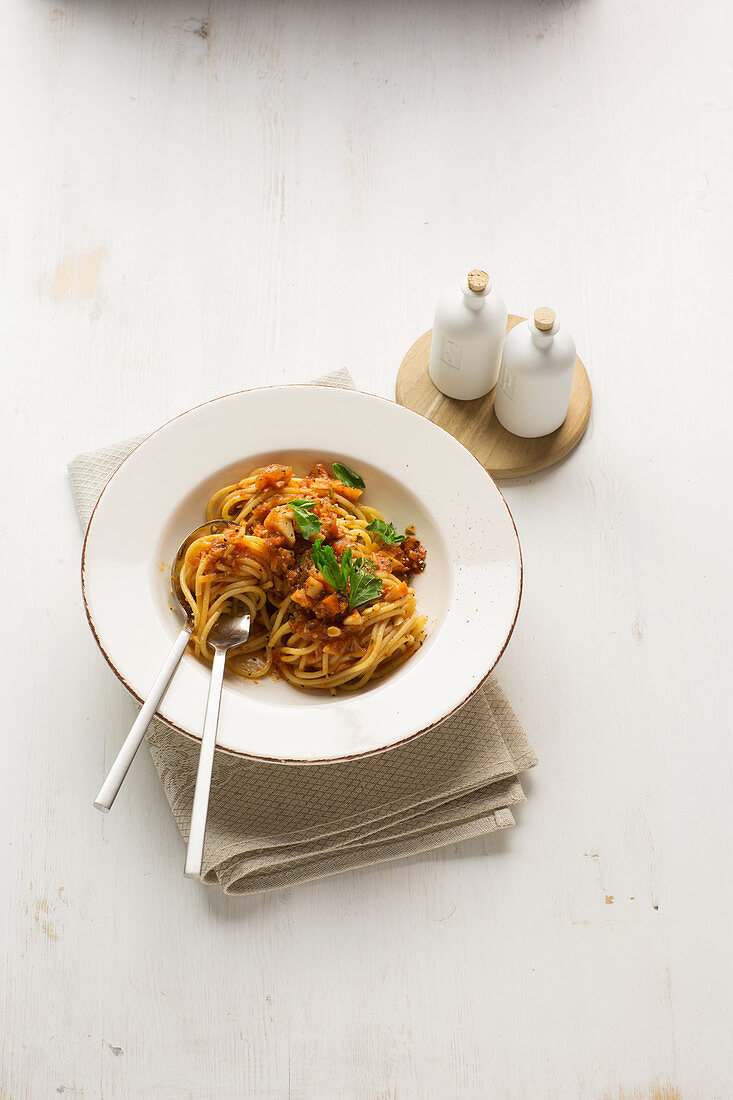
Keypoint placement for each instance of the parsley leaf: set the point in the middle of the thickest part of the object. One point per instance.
(308, 524)
(363, 586)
(357, 575)
(347, 476)
(334, 573)
(385, 531)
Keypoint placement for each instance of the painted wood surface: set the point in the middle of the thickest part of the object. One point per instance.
(500, 452)
(199, 197)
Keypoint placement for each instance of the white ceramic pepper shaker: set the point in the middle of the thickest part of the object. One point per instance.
(468, 336)
(533, 394)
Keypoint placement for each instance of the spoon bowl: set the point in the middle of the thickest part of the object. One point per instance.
(213, 527)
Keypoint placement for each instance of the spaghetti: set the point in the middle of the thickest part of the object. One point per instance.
(325, 578)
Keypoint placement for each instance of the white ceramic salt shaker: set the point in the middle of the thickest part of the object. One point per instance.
(533, 393)
(468, 336)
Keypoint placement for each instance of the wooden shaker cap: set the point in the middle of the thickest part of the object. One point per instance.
(544, 318)
(477, 280)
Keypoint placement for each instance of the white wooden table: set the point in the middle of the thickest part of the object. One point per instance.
(200, 197)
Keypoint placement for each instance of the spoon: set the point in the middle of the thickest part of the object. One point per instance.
(119, 769)
(227, 633)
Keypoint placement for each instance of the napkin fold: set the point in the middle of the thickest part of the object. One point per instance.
(276, 825)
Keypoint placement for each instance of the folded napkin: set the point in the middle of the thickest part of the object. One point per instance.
(275, 825)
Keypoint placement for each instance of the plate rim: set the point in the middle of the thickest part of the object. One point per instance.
(285, 760)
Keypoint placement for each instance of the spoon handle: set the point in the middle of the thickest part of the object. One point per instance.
(199, 813)
(119, 769)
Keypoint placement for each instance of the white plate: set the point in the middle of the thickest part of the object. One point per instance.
(415, 473)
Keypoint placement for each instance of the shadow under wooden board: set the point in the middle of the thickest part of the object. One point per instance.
(474, 424)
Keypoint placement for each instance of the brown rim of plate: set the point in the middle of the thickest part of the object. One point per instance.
(286, 760)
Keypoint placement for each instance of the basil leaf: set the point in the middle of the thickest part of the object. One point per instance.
(347, 476)
(325, 562)
(385, 531)
(363, 585)
(308, 524)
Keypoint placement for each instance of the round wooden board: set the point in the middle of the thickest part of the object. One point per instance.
(474, 424)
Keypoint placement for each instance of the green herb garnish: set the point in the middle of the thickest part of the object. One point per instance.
(330, 569)
(348, 477)
(385, 531)
(308, 524)
(357, 575)
(364, 586)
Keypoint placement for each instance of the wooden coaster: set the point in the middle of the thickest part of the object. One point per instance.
(473, 422)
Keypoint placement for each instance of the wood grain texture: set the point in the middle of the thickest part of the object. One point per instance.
(203, 196)
(474, 423)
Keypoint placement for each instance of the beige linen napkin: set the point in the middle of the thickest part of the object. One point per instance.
(275, 825)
